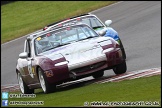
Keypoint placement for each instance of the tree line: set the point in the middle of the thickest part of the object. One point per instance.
(6, 2)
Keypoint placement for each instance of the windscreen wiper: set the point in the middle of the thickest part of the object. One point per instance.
(97, 27)
(88, 38)
(63, 44)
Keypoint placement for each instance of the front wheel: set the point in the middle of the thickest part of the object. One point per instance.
(46, 86)
(120, 68)
(122, 49)
(23, 87)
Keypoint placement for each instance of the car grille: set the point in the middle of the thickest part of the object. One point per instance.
(89, 67)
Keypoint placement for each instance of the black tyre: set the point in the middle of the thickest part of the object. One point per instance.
(122, 49)
(98, 74)
(120, 68)
(23, 87)
(46, 86)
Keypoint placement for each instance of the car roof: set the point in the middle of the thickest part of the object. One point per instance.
(67, 19)
(56, 24)
(32, 35)
(35, 35)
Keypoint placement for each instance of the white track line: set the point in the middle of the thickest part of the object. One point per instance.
(140, 75)
(105, 7)
(9, 87)
(132, 74)
(144, 75)
(21, 37)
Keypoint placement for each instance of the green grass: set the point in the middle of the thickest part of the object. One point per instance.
(23, 17)
(141, 89)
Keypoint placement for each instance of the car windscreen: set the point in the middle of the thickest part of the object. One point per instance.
(60, 37)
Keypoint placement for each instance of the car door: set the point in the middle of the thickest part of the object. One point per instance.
(27, 62)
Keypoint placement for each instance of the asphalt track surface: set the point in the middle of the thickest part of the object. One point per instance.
(138, 24)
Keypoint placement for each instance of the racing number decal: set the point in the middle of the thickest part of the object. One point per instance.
(30, 69)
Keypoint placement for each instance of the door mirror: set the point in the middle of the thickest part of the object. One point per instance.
(108, 22)
(102, 32)
(23, 55)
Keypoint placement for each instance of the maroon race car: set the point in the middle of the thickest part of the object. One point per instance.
(68, 53)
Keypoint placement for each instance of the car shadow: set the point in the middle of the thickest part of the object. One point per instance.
(77, 84)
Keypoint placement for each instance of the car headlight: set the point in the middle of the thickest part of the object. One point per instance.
(105, 42)
(61, 63)
(108, 50)
(54, 57)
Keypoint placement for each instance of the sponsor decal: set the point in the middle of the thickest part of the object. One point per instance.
(39, 38)
(33, 70)
(49, 73)
(30, 69)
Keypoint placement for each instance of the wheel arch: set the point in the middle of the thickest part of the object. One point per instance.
(37, 67)
(17, 71)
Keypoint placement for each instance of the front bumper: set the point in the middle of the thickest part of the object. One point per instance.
(62, 72)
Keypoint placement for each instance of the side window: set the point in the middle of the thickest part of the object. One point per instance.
(27, 48)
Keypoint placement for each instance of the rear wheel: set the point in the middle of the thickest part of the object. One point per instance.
(23, 87)
(98, 74)
(120, 68)
(46, 86)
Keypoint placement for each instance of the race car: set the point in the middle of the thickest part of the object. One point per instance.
(65, 54)
(94, 22)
